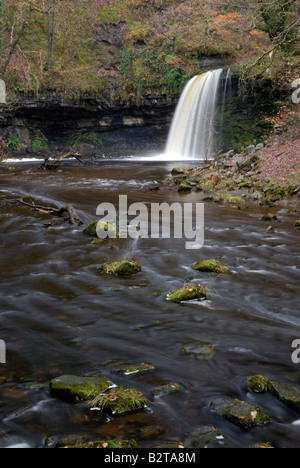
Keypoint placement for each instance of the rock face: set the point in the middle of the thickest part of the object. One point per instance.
(100, 124)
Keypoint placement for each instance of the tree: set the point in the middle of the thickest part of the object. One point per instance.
(51, 21)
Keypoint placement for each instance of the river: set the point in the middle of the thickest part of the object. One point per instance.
(59, 315)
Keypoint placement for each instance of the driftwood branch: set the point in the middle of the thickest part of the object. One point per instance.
(52, 164)
(68, 212)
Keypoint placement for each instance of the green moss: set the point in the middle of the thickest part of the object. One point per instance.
(120, 400)
(71, 387)
(297, 224)
(28, 199)
(128, 369)
(109, 444)
(258, 383)
(188, 293)
(288, 394)
(211, 266)
(228, 199)
(123, 268)
(243, 414)
(269, 217)
(91, 229)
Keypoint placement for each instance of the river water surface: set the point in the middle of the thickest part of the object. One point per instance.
(59, 315)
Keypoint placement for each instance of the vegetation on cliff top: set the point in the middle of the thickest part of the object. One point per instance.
(132, 47)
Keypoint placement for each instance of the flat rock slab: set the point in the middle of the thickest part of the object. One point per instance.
(243, 414)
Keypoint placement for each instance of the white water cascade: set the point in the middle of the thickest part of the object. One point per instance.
(192, 134)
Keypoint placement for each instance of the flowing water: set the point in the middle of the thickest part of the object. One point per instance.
(59, 315)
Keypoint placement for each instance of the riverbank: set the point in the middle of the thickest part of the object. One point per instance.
(267, 173)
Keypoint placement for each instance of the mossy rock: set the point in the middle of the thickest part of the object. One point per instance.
(210, 266)
(202, 351)
(103, 444)
(232, 200)
(119, 400)
(297, 224)
(204, 437)
(188, 293)
(128, 369)
(184, 187)
(269, 217)
(263, 445)
(74, 388)
(166, 389)
(243, 414)
(28, 199)
(288, 394)
(258, 384)
(178, 170)
(91, 229)
(121, 268)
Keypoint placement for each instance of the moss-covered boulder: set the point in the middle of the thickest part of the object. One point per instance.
(210, 266)
(228, 199)
(178, 170)
(243, 414)
(74, 388)
(258, 383)
(119, 400)
(269, 217)
(91, 229)
(128, 369)
(188, 293)
(121, 268)
(297, 224)
(288, 394)
(184, 187)
(205, 437)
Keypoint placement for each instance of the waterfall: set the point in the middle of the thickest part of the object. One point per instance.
(193, 134)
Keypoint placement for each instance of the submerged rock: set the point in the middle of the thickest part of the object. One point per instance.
(188, 293)
(200, 350)
(128, 369)
(243, 414)
(121, 268)
(119, 400)
(165, 389)
(204, 437)
(211, 266)
(288, 394)
(72, 387)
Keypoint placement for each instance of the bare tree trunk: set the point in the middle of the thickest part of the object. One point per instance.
(17, 40)
(51, 14)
